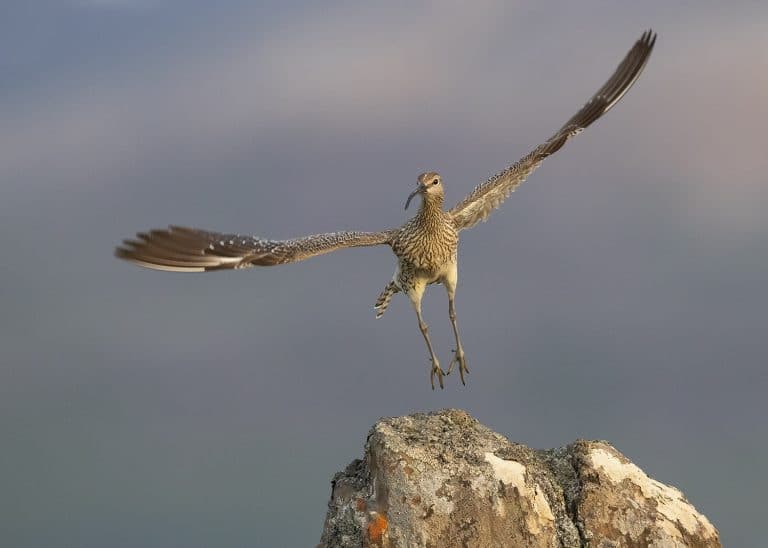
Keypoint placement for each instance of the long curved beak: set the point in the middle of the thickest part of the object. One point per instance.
(414, 193)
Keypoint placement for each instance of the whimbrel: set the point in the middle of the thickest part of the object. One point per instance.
(426, 245)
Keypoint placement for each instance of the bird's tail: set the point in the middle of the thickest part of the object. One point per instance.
(383, 301)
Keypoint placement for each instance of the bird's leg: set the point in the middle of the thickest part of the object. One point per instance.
(458, 354)
(436, 371)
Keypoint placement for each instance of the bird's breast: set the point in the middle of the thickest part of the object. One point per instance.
(427, 249)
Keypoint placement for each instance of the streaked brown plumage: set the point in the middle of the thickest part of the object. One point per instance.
(426, 245)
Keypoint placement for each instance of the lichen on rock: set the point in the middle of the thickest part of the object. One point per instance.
(443, 479)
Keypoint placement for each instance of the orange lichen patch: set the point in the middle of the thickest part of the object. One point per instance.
(377, 528)
(360, 505)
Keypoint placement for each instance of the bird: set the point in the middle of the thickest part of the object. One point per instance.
(426, 245)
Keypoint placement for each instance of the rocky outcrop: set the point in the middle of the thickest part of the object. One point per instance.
(442, 479)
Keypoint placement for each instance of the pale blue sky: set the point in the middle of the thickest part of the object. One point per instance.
(619, 294)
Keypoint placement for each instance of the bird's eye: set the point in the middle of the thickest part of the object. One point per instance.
(435, 182)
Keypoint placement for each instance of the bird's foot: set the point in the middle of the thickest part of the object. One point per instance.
(436, 372)
(458, 358)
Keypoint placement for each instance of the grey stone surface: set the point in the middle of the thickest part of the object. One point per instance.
(443, 479)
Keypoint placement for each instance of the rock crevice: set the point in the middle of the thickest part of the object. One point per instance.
(560, 464)
(443, 479)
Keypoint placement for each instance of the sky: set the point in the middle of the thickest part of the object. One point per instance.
(619, 294)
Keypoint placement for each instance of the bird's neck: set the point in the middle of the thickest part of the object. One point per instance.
(431, 210)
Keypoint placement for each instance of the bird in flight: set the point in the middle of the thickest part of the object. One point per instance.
(426, 245)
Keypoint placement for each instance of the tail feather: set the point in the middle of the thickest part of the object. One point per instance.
(383, 301)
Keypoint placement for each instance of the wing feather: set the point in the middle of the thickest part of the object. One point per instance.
(489, 195)
(182, 249)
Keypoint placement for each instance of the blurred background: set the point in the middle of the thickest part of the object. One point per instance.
(619, 294)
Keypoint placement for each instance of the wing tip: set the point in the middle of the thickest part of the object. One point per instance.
(139, 251)
(648, 38)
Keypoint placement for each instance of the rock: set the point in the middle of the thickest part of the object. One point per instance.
(443, 479)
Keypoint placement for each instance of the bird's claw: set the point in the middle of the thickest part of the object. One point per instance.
(458, 358)
(436, 372)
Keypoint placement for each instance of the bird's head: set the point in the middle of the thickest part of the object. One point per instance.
(430, 184)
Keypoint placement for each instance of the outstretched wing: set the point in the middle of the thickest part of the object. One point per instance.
(182, 249)
(489, 195)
